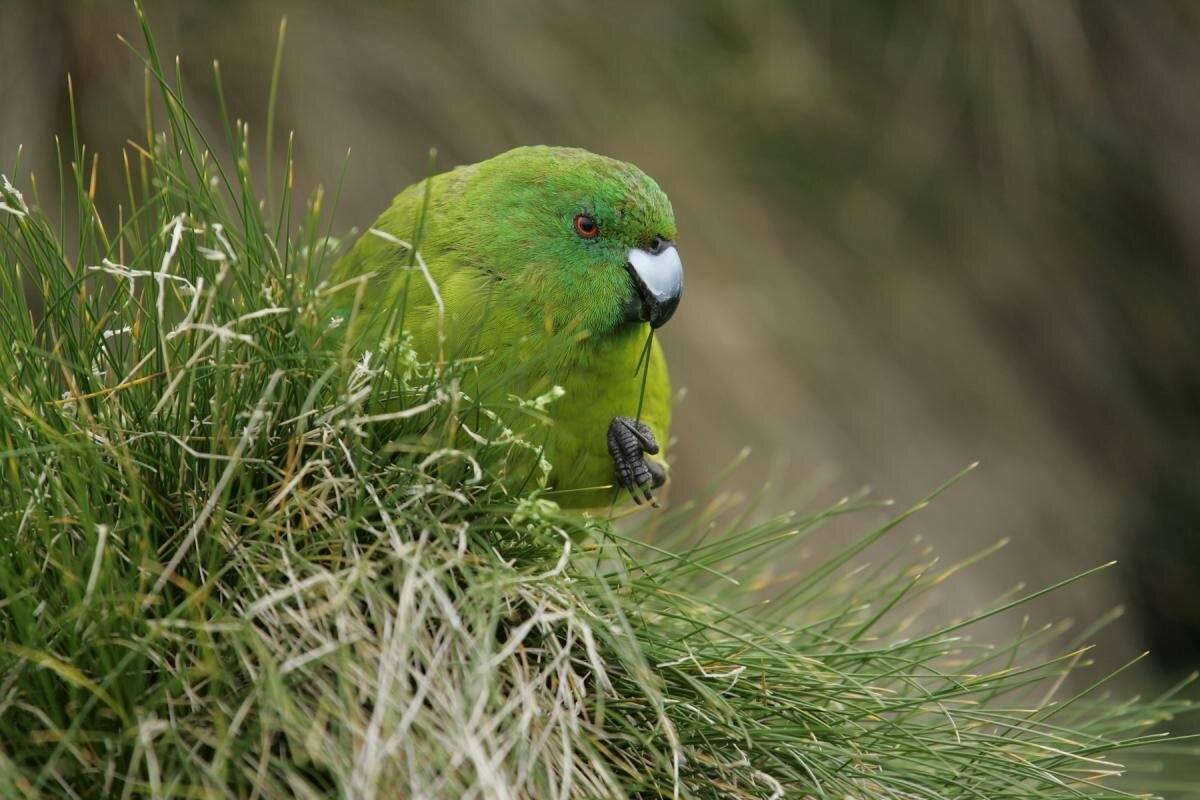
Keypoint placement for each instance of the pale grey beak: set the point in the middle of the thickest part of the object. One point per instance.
(658, 280)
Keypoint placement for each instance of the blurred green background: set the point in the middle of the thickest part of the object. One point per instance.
(916, 234)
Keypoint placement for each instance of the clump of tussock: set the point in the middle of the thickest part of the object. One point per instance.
(244, 559)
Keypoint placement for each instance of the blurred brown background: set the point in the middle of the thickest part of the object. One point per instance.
(916, 234)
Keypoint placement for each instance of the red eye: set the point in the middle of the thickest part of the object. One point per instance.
(586, 227)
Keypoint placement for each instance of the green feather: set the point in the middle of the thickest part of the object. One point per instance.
(521, 289)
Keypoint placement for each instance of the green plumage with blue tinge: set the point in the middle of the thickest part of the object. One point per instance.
(552, 266)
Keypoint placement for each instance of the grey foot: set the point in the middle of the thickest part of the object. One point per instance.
(658, 473)
(628, 444)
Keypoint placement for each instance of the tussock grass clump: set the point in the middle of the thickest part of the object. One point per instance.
(244, 559)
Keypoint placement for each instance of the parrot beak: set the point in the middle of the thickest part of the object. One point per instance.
(657, 280)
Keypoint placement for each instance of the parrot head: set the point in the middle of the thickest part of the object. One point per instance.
(578, 240)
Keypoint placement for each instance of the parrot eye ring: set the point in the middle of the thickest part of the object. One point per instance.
(586, 227)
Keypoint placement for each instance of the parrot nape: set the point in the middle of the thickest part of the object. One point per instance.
(551, 267)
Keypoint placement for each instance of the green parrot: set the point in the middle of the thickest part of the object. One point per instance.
(544, 267)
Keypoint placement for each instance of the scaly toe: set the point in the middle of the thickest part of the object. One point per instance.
(658, 473)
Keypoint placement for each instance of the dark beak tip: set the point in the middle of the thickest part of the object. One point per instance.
(662, 312)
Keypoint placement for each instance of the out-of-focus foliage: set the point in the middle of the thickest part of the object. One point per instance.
(916, 234)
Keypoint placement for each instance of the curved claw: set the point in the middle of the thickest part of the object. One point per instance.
(628, 443)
